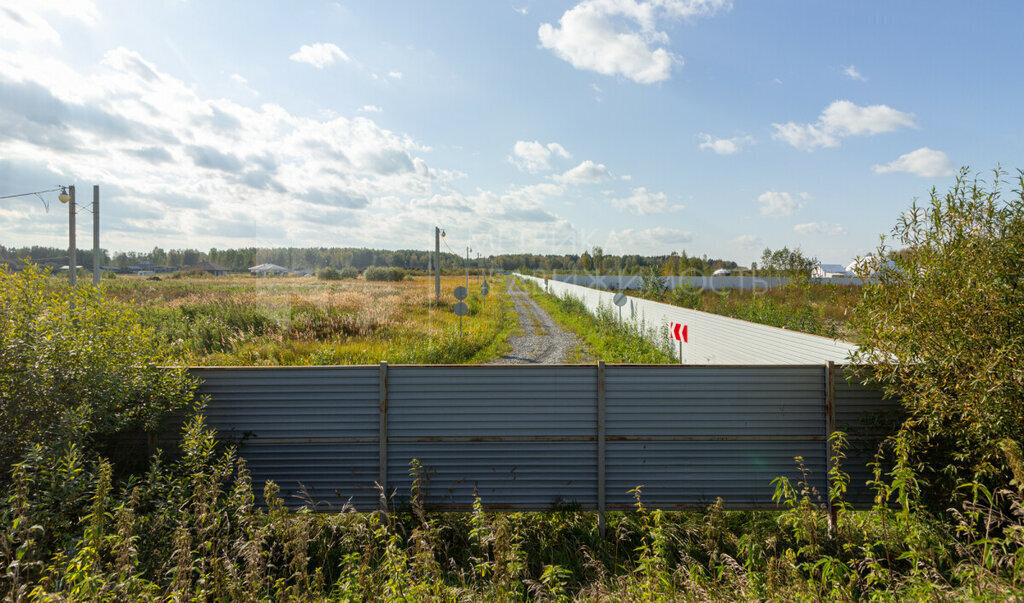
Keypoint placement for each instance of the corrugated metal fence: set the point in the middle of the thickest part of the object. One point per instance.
(710, 283)
(530, 437)
(713, 339)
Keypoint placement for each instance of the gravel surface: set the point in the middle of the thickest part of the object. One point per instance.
(542, 341)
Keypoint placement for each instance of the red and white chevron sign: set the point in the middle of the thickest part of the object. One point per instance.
(678, 331)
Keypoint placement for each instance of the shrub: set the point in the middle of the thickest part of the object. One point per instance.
(349, 272)
(943, 327)
(74, 365)
(378, 273)
(329, 274)
(653, 285)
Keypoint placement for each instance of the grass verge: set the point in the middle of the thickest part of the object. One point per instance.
(601, 336)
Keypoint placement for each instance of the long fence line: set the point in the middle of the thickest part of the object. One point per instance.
(712, 339)
(531, 437)
(706, 283)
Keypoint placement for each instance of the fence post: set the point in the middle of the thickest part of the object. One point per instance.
(830, 427)
(382, 476)
(600, 448)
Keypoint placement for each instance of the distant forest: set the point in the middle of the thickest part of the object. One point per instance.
(311, 258)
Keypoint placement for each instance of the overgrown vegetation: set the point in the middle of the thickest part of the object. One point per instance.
(246, 321)
(73, 365)
(197, 528)
(602, 336)
(943, 329)
(800, 304)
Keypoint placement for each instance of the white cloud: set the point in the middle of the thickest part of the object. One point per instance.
(586, 172)
(619, 37)
(657, 240)
(181, 170)
(23, 21)
(839, 120)
(370, 109)
(924, 162)
(748, 241)
(725, 146)
(780, 204)
(851, 72)
(396, 75)
(244, 83)
(820, 228)
(320, 55)
(533, 156)
(643, 202)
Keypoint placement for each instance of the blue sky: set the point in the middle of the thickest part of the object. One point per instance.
(709, 126)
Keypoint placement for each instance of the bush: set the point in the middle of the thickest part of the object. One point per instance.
(943, 328)
(349, 272)
(74, 365)
(377, 273)
(653, 285)
(328, 274)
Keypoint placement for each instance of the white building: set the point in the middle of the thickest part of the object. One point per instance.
(829, 271)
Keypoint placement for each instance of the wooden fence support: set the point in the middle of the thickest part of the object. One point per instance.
(601, 502)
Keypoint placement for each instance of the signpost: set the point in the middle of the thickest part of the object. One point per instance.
(485, 288)
(679, 334)
(619, 300)
(461, 309)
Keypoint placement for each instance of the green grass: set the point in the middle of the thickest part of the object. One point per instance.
(249, 321)
(818, 309)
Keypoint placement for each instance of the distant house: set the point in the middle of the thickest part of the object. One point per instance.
(829, 271)
(721, 272)
(208, 267)
(268, 269)
(870, 264)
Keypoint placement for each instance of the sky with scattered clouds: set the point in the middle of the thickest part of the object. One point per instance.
(716, 127)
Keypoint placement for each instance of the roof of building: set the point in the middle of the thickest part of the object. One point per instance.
(268, 268)
(207, 267)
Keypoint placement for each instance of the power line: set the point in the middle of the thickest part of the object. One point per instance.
(51, 190)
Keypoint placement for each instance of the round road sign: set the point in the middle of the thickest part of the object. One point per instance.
(461, 292)
(619, 299)
(485, 290)
(461, 309)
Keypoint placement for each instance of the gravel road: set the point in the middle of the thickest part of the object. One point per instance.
(542, 341)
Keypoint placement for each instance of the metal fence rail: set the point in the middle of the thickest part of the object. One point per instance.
(713, 339)
(531, 437)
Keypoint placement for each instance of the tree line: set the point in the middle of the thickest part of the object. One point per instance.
(591, 261)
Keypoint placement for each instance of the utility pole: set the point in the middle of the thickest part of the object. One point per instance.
(96, 235)
(437, 265)
(72, 252)
(467, 267)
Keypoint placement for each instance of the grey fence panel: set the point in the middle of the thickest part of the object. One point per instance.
(519, 436)
(305, 428)
(690, 434)
(525, 437)
(496, 401)
(688, 474)
(520, 475)
(866, 417)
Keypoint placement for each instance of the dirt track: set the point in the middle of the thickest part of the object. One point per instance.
(542, 340)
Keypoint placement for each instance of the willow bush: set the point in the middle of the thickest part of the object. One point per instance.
(75, 365)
